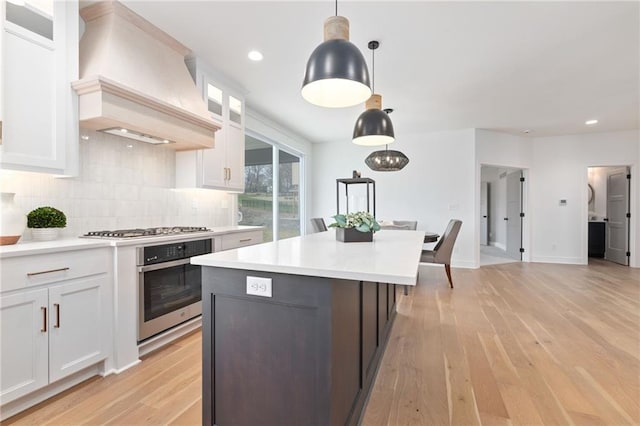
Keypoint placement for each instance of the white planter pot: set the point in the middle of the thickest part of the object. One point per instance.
(12, 220)
(44, 234)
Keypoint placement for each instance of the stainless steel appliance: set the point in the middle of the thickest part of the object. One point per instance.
(146, 232)
(169, 287)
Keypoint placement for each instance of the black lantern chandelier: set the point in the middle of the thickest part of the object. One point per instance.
(373, 127)
(336, 75)
(386, 160)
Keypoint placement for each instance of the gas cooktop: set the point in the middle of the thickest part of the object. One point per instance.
(146, 232)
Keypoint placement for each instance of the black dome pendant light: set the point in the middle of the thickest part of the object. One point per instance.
(337, 75)
(373, 127)
(386, 160)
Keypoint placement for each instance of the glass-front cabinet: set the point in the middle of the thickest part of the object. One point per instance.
(39, 60)
(221, 167)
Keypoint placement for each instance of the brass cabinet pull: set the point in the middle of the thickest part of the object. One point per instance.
(229, 173)
(44, 319)
(31, 274)
(57, 307)
(245, 240)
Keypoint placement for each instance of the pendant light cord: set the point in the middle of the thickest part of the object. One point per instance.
(373, 70)
(336, 7)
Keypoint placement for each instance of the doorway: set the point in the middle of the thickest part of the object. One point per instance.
(272, 195)
(609, 213)
(501, 214)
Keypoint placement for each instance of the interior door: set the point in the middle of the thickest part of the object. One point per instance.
(617, 228)
(514, 224)
(484, 213)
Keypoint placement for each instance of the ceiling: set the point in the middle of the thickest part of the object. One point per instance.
(509, 66)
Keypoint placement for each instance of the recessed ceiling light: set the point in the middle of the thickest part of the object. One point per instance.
(526, 131)
(84, 137)
(591, 122)
(254, 55)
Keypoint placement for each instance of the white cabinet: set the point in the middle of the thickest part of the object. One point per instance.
(221, 167)
(240, 239)
(39, 111)
(24, 352)
(76, 326)
(56, 329)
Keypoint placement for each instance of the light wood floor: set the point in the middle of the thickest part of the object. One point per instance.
(520, 344)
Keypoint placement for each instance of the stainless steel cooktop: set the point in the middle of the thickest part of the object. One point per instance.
(146, 232)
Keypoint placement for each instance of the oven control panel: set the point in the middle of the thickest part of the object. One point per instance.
(173, 251)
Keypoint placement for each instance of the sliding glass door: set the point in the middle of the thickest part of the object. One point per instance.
(288, 195)
(272, 189)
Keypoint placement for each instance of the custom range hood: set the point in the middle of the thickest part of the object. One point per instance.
(134, 82)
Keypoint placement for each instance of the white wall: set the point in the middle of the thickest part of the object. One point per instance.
(560, 172)
(445, 172)
(118, 188)
(511, 153)
(437, 185)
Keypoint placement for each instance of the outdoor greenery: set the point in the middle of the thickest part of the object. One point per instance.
(46, 217)
(257, 202)
(362, 221)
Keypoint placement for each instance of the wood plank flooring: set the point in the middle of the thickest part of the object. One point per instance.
(513, 344)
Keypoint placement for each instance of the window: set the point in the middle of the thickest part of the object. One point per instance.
(265, 184)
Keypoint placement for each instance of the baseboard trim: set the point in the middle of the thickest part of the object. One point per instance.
(562, 260)
(458, 264)
(498, 245)
(27, 401)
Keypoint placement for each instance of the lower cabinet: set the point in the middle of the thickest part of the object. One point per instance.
(305, 355)
(240, 239)
(24, 354)
(50, 333)
(54, 322)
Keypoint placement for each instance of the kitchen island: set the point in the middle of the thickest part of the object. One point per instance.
(293, 330)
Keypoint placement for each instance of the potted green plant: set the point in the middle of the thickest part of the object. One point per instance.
(45, 222)
(355, 227)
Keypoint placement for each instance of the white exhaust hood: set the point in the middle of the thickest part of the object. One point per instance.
(134, 82)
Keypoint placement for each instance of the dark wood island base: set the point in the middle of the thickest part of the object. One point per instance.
(308, 355)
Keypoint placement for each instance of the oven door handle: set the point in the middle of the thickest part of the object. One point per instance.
(163, 265)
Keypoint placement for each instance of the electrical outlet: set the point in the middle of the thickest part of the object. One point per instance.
(259, 286)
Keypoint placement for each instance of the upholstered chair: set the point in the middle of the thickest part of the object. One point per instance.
(441, 253)
(318, 225)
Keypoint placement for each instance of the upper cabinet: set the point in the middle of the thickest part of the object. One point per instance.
(223, 166)
(39, 108)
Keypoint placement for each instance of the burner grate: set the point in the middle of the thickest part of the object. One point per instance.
(146, 232)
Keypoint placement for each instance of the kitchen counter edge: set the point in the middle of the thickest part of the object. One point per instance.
(28, 248)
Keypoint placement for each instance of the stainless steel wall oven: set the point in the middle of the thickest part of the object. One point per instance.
(169, 287)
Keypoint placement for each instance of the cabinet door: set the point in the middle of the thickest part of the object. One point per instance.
(235, 157)
(39, 61)
(23, 353)
(77, 324)
(214, 162)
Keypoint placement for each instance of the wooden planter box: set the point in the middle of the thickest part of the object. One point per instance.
(351, 235)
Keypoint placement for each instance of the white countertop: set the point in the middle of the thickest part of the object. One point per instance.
(25, 248)
(392, 257)
(39, 247)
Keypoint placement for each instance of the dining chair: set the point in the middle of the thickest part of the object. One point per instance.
(318, 225)
(441, 253)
